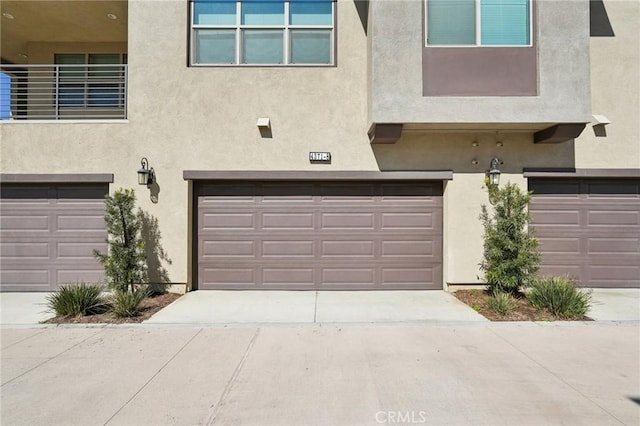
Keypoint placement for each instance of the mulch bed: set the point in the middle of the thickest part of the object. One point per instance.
(150, 306)
(477, 299)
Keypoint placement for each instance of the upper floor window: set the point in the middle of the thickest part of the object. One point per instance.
(91, 83)
(266, 32)
(478, 22)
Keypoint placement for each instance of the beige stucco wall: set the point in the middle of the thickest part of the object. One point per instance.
(465, 194)
(615, 92)
(184, 118)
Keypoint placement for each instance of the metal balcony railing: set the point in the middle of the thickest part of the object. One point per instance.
(63, 92)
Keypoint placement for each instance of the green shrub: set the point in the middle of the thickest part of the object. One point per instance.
(124, 261)
(502, 303)
(77, 299)
(560, 296)
(511, 256)
(126, 303)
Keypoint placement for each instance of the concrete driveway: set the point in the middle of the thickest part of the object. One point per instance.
(24, 308)
(479, 373)
(309, 307)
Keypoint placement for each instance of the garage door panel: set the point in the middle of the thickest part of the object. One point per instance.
(340, 248)
(613, 218)
(27, 194)
(279, 220)
(73, 275)
(228, 248)
(344, 220)
(408, 249)
(23, 251)
(286, 193)
(404, 192)
(400, 277)
(228, 221)
(605, 189)
(347, 192)
(341, 237)
(613, 246)
(80, 193)
(417, 221)
(600, 245)
(78, 223)
(24, 223)
(287, 249)
(229, 277)
(555, 189)
(613, 272)
(231, 191)
(348, 276)
(559, 245)
(22, 277)
(555, 218)
(289, 276)
(77, 251)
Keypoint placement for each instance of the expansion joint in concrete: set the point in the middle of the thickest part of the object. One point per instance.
(557, 377)
(153, 376)
(227, 389)
(50, 358)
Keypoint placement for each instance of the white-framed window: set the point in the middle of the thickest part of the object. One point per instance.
(478, 22)
(262, 32)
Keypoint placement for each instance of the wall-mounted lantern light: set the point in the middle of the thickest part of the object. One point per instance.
(494, 173)
(145, 174)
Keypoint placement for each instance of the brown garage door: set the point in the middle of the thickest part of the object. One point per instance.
(589, 229)
(48, 233)
(319, 235)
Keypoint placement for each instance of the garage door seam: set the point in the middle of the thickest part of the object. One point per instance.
(227, 389)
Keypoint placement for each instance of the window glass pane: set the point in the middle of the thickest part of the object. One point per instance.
(505, 22)
(214, 12)
(104, 59)
(70, 59)
(215, 46)
(262, 47)
(451, 22)
(310, 13)
(71, 95)
(104, 95)
(310, 46)
(262, 12)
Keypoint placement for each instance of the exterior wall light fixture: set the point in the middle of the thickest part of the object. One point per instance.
(494, 173)
(146, 174)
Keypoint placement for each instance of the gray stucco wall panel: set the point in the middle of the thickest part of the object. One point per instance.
(396, 71)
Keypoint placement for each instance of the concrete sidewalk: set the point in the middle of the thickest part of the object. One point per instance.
(312, 307)
(492, 374)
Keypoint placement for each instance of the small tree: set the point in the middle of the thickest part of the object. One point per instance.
(124, 261)
(511, 255)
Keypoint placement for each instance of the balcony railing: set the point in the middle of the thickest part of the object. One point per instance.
(63, 92)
